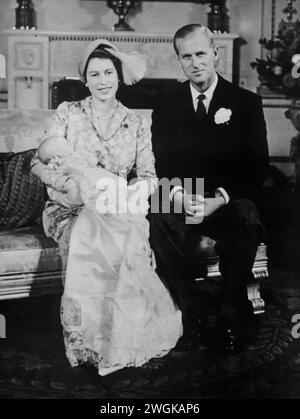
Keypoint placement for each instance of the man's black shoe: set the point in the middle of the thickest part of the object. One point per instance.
(191, 335)
(234, 334)
(231, 341)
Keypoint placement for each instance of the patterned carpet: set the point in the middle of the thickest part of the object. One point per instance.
(33, 363)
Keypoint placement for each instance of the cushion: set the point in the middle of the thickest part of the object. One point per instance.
(21, 193)
(22, 130)
(28, 250)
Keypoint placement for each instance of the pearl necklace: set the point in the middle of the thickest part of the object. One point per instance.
(100, 130)
(97, 114)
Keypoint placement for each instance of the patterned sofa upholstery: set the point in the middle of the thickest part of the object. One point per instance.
(30, 263)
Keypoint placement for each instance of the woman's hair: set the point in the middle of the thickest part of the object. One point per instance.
(102, 52)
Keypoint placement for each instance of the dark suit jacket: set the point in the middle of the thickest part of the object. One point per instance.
(233, 156)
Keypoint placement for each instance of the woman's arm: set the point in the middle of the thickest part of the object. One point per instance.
(145, 168)
(61, 188)
(58, 129)
(49, 176)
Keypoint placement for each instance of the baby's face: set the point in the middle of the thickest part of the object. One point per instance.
(54, 146)
(62, 146)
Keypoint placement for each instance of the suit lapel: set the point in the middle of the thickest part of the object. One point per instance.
(221, 99)
(185, 112)
(186, 101)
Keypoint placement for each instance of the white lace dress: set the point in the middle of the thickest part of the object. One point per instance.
(115, 311)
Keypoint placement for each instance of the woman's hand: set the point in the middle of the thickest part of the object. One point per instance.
(137, 197)
(49, 176)
(68, 192)
(72, 191)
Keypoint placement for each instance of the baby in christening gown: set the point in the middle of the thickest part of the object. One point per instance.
(112, 193)
(115, 311)
(101, 191)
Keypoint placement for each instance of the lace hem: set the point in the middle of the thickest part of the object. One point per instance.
(108, 356)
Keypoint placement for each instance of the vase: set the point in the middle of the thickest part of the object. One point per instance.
(293, 114)
(218, 20)
(24, 15)
(121, 9)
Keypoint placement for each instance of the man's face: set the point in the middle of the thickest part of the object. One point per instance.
(198, 59)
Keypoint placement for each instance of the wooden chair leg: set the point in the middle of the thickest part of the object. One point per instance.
(255, 297)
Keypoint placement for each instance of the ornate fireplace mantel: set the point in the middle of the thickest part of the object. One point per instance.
(36, 59)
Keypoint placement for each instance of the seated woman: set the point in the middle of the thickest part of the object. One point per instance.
(115, 311)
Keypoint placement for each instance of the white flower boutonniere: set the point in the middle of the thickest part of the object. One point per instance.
(223, 116)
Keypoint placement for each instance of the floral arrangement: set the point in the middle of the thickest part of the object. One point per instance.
(275, 71)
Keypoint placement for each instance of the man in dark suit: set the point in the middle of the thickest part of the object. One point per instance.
(208, 128)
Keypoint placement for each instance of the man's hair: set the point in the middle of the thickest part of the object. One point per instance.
(188, 30)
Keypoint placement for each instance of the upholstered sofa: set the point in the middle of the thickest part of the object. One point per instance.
(30, 263)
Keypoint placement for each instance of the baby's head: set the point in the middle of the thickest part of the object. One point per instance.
(54, 146)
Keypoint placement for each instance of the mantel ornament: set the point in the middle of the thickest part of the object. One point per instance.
(24, 15)
(218, 20)
(121, 9)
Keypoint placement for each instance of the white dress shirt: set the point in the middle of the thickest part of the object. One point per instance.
(208, 97)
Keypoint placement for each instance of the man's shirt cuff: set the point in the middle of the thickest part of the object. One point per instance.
(223, 193)
(174, 190)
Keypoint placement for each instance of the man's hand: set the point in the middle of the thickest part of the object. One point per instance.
(178, 201)
(191, 204)
(194, 205)
(194, 209)
(213, 204)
